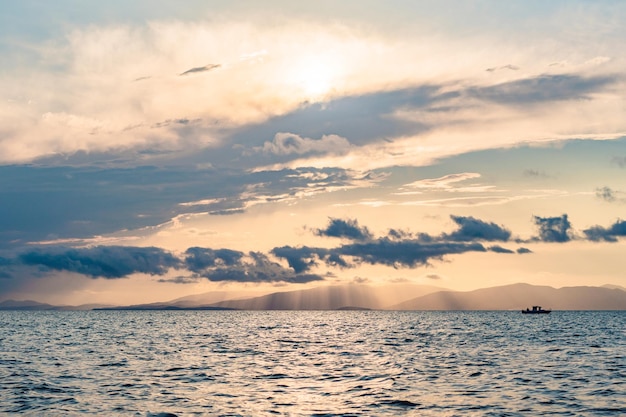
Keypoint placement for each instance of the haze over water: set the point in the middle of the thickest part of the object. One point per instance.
(316, 363)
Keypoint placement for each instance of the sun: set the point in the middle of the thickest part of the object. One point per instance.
(314, 78)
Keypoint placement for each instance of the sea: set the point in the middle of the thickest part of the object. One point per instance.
(312, 363)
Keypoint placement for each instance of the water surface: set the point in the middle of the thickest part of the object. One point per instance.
(315, 363)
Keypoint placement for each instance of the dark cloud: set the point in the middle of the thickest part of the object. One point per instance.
(522, 251)
(230, 265)
(335, 259)
(599, 233)
(399, 234)
(121, 261)
(258, 269)
(200, 69)
(300, 259)
(349, 229)
(471, 229)
(553, 229)
(407, 253)
(102, 261)
(398, 249)
(198, 259)
(303, 258)
(107, 199)
(500, 249)
(544, 88)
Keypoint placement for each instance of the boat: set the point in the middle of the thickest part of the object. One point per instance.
(536, 310)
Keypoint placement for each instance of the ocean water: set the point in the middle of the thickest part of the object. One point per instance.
(312, 363)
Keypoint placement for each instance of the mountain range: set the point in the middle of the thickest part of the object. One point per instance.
(393, 297)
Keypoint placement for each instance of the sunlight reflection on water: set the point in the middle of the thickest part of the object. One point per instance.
(326, 363)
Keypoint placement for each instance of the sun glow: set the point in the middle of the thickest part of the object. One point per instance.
(314, 77)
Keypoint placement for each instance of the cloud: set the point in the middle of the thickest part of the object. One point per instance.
(360, 118)
(399, 234)
(433, 276)
(107, 198)
(606, 194)
(544, 88)
(102, 261)
(503, 67)
(344, 229)
(198, 259)
(115, 262)
(398, 249)
(397, 254)
(407, 253)
(300, 259)
(180, 280)
(553, 229)
(290, 143)
(620, 161)
(598, 233)
(533, 173)
(471, 229)
(445, 183)
(500, 249)
(610, 195)
(200, 69)
(257, 267)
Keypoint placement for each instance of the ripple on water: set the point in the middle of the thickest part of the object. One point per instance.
(349, 363)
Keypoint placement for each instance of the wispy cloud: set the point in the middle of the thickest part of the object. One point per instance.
(445, 183)
(611, 195)
(503, 67)
(606, 194)
(204, 68)
(619, 161)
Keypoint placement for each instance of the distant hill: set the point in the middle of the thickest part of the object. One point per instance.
(37, 306)
(390, 297)
(518, 296)
(351, 296)
(206, 298)
(345, 297)
(613, 287)
(25, 305)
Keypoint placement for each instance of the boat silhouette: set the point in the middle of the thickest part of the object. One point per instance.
(536, 310)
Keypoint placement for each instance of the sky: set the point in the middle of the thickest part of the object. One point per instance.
(151, 150)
